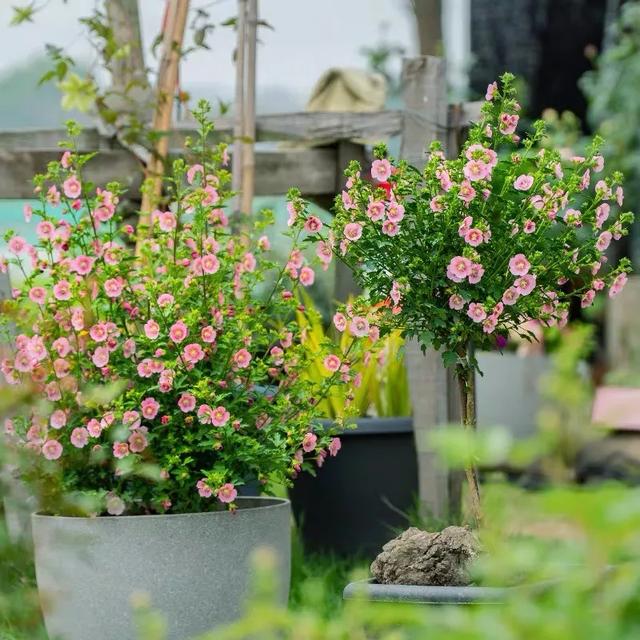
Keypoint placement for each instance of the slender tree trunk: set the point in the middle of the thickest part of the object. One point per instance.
(465, 374)
(167, 82)
(236, 173)
(428, 23)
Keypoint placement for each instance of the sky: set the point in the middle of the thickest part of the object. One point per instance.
(308, 37)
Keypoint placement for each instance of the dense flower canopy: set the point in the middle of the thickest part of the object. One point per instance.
(471, 248)
(176, 376)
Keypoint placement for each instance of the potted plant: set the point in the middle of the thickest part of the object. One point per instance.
(468, 249)
(378, 445)
(171, 378)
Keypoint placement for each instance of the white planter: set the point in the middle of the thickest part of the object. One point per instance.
(195, 568)
(508, 394)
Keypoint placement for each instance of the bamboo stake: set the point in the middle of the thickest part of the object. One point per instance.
(236, 177)
(176, 20)
(249, 112)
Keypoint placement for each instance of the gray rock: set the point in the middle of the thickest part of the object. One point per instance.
(418, 557)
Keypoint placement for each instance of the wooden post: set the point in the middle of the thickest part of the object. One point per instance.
(236, 175)
(623, 338)
(176, 20)
(433, 389)
(249, 112)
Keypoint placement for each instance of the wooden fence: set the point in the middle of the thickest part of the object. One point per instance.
(324, 144)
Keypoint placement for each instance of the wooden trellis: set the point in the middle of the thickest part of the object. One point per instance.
(325, 142)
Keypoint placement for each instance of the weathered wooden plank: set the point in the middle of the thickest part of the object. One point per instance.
(319, 126)
(313, 171)
(431, 385)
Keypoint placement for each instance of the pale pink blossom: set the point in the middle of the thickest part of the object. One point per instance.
(466, 192)
(62, 290)
(529, 226)
(178, 331)
(58, 419)
(120, 449)
(241, 359)
(38, 295)
(619, 196)
(151, 329)
(598, 163)
(293, 214)
(476, 312)
(340, 321)
(51, 449)
(353, 231)
(149, 408)
(436, 204)
(602, 213)
(219, 416)
(79, 437)
(618, 284)
(519, 265)
(359, 327)
(137, 442)
(588, 298)
(476, 170)
(375, 210)
(100, 357)
(53, 195)
(313, 224)
(309, 442)
(489, 324)
(72, 187)
(510, 296)
(227, 493)
(165, 299)
(332, 363)
(525, 284)
(115, 505)
(523, 182)
(193, 353)
(94, 428)
(210, 263)
(307, 276)
(334, 446)
(603, 241)
(113, 287)
(474, 237)
(456, 301)
(492, 90)
(208, 334)
(477, 271)
(193, 171)
(508, 123)
(187, 402)
(381, 170)
(390, 228)
(65, 160)
(167, 221)
(204, 490)
(459, 268)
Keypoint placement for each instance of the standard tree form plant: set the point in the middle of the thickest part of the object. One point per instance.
(462, 253)
(174, 378)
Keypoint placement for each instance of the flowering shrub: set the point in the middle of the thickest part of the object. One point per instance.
(471, 248)
(197, 338)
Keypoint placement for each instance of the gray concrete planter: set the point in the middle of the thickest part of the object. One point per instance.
(357, 500)
(195, 568)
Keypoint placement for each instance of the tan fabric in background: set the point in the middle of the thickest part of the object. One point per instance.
(348, 90)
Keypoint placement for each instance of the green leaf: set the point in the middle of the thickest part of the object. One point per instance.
(23, 14)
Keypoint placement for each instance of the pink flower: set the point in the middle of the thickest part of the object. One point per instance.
(619, 196)
(473, 237)
(72, 187)
(129, 347)
(187, 403)
(375, 210)
(466, 193)
(476, 170)
(359, 327)
(598, 163)
(45, 230)
(334, 446)
(603, 241)
(193, 353)
(51, 449)
(307, 276)
(83, 265)
(62, 290)
(227, 493)
(489, 324)
(149, 408)
(98, 332)
(508, 123)
(113, 287)
(309, 442)
(210, 263)
(618, 284)
(523, 182)
(165, 299)
(510, 296)
(381, 170)
(477, 271)
(151, 329)
(38, 295)
(476, 312)
(390, 228)
(137, 442)
(436, 204)
(293, 214)
(332, 363)
(529, 226)
(79, 437)
(120, 449)
(492, 90)
(219, 416)
(242, 358)
(573, 217)
(53, 195)
(602, 213)
(94, 428)
(58, 419)
(208, 334)
(204, 490)
(587, 298)
(459, 268)
(167, 221)
(100, 357)
(395, 211)
(353, 231)
(519, 265)
(525, 284)
(204, 413)
(340, 321)
(193, 171)
(313, 224)
(456, 302)
(115, 505)
(178, 332)
(65, 160)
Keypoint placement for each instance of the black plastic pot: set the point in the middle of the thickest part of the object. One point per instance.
(356, 502)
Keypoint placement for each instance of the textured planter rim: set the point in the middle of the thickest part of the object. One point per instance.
(375, 426)
(272, 502)
(425, 594)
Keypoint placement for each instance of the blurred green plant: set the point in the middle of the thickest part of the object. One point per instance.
(384, 387)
